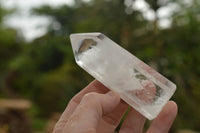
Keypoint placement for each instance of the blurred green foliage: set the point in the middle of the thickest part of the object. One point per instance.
(45, 72)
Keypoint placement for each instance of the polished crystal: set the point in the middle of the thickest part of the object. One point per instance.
(139, 85)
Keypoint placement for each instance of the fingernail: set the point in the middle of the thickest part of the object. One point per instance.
(113, 97)
(112, 94)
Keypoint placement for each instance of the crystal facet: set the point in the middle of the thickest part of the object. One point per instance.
(139, 85)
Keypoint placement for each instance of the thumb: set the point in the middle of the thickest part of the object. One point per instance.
(90, 111)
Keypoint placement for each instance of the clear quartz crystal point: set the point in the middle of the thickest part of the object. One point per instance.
(139, 85)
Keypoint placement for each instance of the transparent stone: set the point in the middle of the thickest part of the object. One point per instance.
(139, 85)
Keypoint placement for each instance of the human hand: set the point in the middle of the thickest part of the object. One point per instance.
(97, 110)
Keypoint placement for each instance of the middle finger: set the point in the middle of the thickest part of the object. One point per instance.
(133, 123)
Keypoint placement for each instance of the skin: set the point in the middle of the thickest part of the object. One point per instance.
(97, 110)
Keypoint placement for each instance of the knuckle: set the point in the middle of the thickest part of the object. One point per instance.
(90, 96)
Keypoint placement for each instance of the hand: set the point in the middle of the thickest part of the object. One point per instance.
(97, 110)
